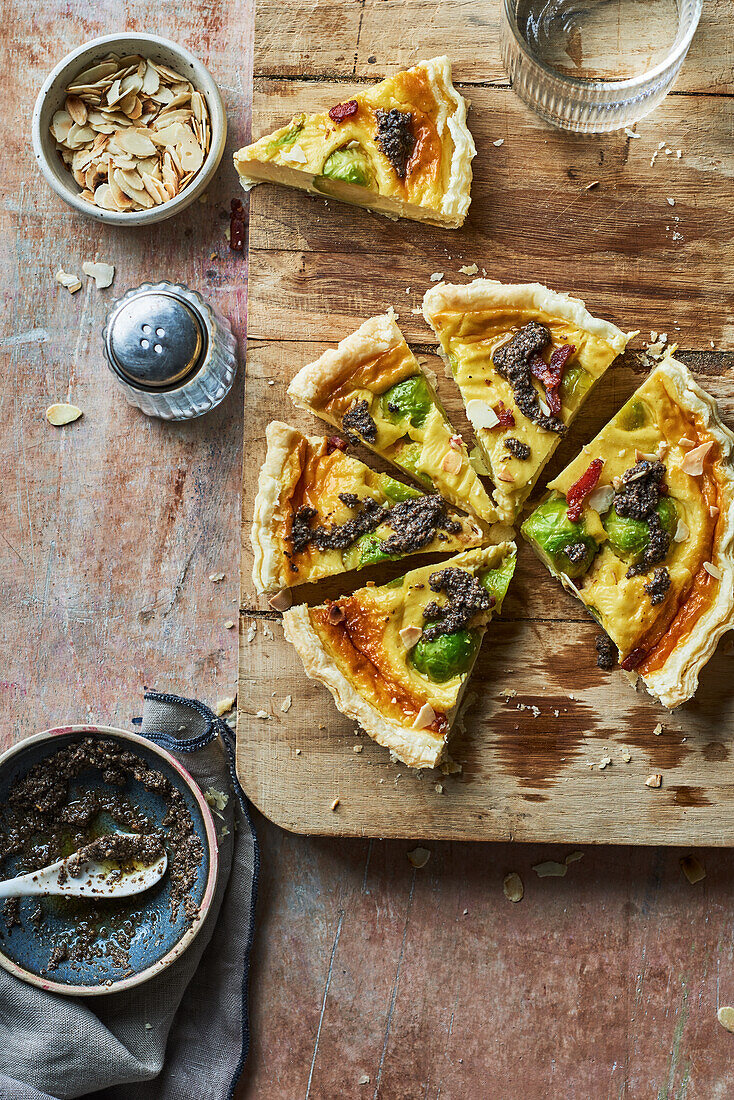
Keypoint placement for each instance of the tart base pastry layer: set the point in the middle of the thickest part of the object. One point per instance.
(309, 472)
(371, 386)
(362, 648)
(472, 322)
(401, 147)
(667, 620)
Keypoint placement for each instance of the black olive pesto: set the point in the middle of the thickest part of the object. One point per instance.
(576, 552)
(657, 588)
(512, 361)
(414, 524)
(358, 419)
(606, 652)
(517, 448)
(395, 137)
(466, 596)
(637, 498)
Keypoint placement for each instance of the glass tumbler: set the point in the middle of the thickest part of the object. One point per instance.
(595, 65)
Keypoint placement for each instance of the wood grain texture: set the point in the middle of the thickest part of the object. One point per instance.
(317, 269)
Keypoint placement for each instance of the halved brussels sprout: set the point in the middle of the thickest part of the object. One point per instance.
(367, 550)
(408, 456)
(396, 491)
(555, 535)
(290, 135)
(348, 165)
(447, 656)
(407, 400)
(633, 415)
(497, 581)
(628, 538)
(575, 383)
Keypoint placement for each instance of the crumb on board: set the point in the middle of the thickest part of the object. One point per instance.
(655, 780)
(550, 869)
(215, 798)
(693, 869)
(419, 857)
(658, 729)
(286, 705)
(71, 282)
(263, 714)
(469, 269)
(357, 748)
(335, 803)
(225, 705)
(498, 142)
(437, 276)
(512, 887)
(215, 578)
(725, 1016)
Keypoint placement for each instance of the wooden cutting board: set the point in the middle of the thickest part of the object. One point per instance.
(588, 215)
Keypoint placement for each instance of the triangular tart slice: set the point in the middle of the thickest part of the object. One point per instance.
(396, 658)
(640, 527)
(372, 388)
(400, 147)
(525, 359)
(320, 512)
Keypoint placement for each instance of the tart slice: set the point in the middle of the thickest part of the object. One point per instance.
(372, 388)
(524, 358)
(397, 658)
(639, 527)
(319, 512)
(400, 147)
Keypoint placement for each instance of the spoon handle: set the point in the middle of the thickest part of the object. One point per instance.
(23, 886)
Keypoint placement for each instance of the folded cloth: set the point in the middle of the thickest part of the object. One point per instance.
(183, 1034)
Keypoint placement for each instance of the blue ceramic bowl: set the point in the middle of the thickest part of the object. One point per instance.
(156, 940)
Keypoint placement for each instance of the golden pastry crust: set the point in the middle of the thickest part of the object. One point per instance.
(364, 366)
(361, 656)
(437, 181)
(667, 644)
(472, 321)
(305, 471)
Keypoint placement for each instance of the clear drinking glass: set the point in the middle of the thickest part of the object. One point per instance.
(595, 65)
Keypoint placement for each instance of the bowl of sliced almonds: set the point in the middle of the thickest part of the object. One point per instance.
(129, 129)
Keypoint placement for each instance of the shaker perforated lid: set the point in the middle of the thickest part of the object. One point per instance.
(155, 339)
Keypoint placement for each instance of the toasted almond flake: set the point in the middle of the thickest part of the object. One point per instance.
(498, 142)
(654, 780)
(574, 857)
(713, 511)
(544, 408)
(215, 578)
(425, 717)
(681, 531)
(658, 729)
(601, 498)
(712, 570)
(335, 803)
(71, 282)
(452, 462)
(437, 276)
(419, 857)
(512, 887)
(61, 414)
(504, 475)
(469, 269)
(225, 705)
(550, 869)
(409, 635)
(692, 462)
(229, 623)
(102, 273)
(481, 414)
(294, 155)
(281, 601)
(693, 869)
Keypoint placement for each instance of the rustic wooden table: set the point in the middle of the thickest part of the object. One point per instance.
(428, 982)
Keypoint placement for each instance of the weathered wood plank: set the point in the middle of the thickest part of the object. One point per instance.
(346, 39)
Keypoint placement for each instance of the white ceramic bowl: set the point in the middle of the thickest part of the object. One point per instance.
(53, 94)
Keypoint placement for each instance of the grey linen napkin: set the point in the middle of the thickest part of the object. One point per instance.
(184, 1033)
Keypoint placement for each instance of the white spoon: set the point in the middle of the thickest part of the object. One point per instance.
(93, 880)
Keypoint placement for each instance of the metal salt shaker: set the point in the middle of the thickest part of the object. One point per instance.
(170, 350)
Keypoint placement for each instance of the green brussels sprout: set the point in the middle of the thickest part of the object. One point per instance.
(575, 383)
(397, 582)
(408, 400)
(554, 534)
(396, 491)
(408, 457)
(633, 415)
(290, 134)
(367, 550)
(446, 656)
(497, 581)
(348, 165)
(628, 538)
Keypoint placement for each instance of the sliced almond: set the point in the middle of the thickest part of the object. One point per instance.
(681, 532)
(71, 282)
(655, 780)
(77, 109)
(281, 601)
(135, 142)
(102, 273)
(62, 414)
(409, 635)
(693, 462)
(452, 462)
(425, 717)
(225, 705)
(712, 570)
(481, 414)
(601, 498)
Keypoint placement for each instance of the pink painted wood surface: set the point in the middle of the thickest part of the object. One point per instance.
(600, 985)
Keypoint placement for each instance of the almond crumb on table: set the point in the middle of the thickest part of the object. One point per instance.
(655, 780)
